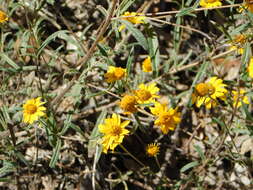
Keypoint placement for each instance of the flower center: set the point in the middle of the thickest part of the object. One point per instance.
(128, 103)
(143, 95)
(240, 39)
(165, 118)
(204, 89)
(116, 130)
(31, 108)
(152, 150)
(119, 73)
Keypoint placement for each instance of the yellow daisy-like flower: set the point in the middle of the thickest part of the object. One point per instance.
(115, 73)
(239, 97)
(237, 43)
(128, 104)
(167, 118)
(33, 110)
(250, 67)
(147, 65)
(152, 149)
(132, 17)
(114, 132)
(3, 17)
(146, 94)
(208, 93)
(210, 3)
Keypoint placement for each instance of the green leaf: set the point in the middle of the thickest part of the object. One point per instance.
(124, 5)
(246, 53)
(77, 129)
(130, 61)
(136, 33)
(186, 11)
(189, 166)
(50, 39)
(7, 168)
(200, 152)
(51, 2)
(21, 157)
(248, 114)
(154, 50)
(56, 153)
(9, 61)
(219, 122)
(66, 126)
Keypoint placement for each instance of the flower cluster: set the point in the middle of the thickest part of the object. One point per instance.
(209, 94)
(145, 95)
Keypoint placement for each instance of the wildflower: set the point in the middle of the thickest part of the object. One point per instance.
(33, 110)
(159, 108)
(239, 97)
(128, 103)
(250, 67)
(147, 65)
(115, 73)
(237, 43)
(146, 93)
(208, 93)
(3, 17)
(132, 17)
(114, 132)
(210, 3)
(167, 118)
(152, 149)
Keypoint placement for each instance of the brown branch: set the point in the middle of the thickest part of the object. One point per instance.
(85, 59)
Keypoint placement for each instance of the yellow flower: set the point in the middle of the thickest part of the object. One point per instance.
(146, 94)
(250, 67)
(238, 49)
(237, 43)
(152, 149)
(114, 73)
(240, 97)
(208, 93)
(114, 132)
(3, 17)
(210, 3)
(33, 110)
(128, 104)
(147, 65)
(132, 17)
(167, 118)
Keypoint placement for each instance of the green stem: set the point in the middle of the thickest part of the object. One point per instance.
(138, 161)
(157, 162)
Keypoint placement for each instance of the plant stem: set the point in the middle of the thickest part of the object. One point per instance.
(139, 162)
